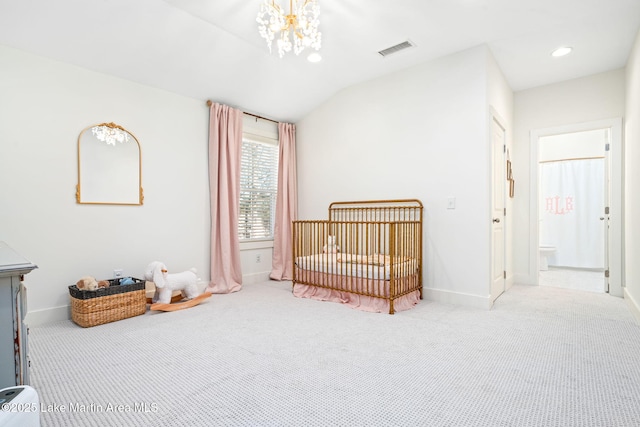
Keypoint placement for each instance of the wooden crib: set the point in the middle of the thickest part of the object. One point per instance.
(368, 254)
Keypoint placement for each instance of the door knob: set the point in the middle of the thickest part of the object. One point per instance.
(496, 219)
(601, 218)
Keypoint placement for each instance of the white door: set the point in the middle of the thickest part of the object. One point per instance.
(605, 217)
(499, 167)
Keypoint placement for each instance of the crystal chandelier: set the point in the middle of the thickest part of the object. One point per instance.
(298, 29)
(110, 133)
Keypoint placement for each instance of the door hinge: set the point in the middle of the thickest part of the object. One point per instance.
(606, 273)
(607, 147)
(504, 148)
(606, 210)
(504, 274)
(505, 211)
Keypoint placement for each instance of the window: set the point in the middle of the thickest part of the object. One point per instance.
(258, 187)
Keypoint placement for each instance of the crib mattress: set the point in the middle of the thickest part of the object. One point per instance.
(377, 267)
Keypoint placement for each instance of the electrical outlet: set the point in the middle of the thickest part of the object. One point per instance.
(117, 274)
(258, 259)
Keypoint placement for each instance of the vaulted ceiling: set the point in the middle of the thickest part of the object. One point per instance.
(211, 49)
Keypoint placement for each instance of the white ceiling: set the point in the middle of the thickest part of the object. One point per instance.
(210, 49)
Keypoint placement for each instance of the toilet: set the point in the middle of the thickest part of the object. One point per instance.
(545, 252)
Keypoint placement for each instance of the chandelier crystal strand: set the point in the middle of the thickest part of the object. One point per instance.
(109, 134)
(298, 29)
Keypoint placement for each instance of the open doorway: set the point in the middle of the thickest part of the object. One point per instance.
(610, 239)
(573, 182)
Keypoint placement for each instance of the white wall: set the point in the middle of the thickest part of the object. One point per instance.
(632, 179)
(597, 97)
(419, 133)
(43, 107)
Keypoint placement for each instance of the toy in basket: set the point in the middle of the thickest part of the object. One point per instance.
(97, 302)
(166, 284)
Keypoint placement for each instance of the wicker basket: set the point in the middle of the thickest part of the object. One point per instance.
(117, 302)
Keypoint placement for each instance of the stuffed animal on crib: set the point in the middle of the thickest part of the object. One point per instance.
(331, 247)
(186, 281)
(89, 283)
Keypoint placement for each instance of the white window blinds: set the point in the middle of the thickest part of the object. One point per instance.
(258, 184)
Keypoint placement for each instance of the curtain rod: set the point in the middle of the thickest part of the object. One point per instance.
(260, 117)
(209, 103)
(570, 159)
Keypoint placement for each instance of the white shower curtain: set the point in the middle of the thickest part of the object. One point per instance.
(572, 202)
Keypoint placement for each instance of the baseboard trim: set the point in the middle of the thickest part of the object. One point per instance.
(48, 315)
(457, 298)
(57, 314)
(252, 279)
(634, 307)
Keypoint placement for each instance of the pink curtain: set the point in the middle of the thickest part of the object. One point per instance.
(286, 204)
(225, 145)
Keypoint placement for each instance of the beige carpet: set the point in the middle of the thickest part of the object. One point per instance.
(261, 357)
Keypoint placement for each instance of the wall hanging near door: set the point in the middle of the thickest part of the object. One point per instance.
(512, 182)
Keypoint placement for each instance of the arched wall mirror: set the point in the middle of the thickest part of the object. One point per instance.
(109, 166)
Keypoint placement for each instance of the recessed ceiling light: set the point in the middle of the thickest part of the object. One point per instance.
(561, 51)
(314, 57)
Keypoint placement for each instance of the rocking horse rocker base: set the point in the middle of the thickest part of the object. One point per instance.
(174, 306)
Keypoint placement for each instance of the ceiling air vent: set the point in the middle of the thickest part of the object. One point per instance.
(397, 48)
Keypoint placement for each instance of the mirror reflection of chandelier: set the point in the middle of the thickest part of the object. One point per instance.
(298, 29)
(110, 133)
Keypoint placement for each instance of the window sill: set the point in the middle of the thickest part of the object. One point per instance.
(256, 244)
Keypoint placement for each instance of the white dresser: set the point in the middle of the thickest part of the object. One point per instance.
(14, 362)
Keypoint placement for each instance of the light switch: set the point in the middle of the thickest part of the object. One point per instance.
(451, 203)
